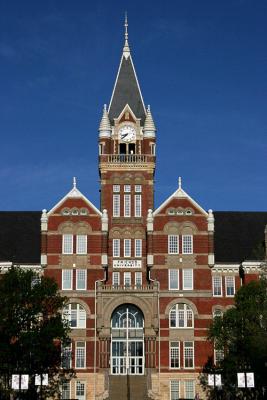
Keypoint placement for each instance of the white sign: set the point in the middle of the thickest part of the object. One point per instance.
(44, 380)
(241, 382)
(127, 263)
(250, 379)
(218, 380)
(24, 383)
(15, 382)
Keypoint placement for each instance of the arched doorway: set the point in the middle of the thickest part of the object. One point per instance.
(127, 341)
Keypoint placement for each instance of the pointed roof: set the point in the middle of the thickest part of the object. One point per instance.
(180, 193)
(149, 122)
(126, 89)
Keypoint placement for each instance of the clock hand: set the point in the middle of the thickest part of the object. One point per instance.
(124, 135)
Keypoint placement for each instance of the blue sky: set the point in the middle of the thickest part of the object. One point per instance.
(202, 66)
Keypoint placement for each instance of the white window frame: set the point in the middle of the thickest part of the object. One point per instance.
(67, 243)
(187, 315)
(173, 244)
(214, 286)
(138, 188)
(116, 188)
(77, 396)
(81, 244)
(115, 279)
(186, 394)
(138, 205)
(116, 245)
(81, 271)
(172, 350)
(127, 276)
(63, 286)
(76, 354)
(173, 391)
(68, 383)
(172, 271)
(80, 315)
(187, 244)
(138, 248)
(227, 286)
(138, 279)
(192, 349)
(127, 244)
(127, 205)
(116, 205)
(127, 188)
(66, 349)
(191, 287)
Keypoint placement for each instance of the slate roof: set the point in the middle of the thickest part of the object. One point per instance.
(126, 91)
(20, 236)
(238, 235)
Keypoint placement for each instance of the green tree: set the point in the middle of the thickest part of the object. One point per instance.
(32, 331)
(241, 333)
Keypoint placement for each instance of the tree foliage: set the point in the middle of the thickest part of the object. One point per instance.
(241, 333)
(31, 331)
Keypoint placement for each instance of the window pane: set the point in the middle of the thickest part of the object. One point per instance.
(116, 279)
(188, 354)
(173, 246)
(65, 390)
(187, 244)
(138, 205)
(138, 188)
(127, 205)
(116, 205)
(80, 355)
(127, 247)
(116, 188)
(187, 279)
(138, 279)
(80, 390)
(66, 279)
(127, 188)
(174, 355)
(66, 357)
(138, 247)
(67, 244)
(81, 244)
(174, 390)
(217, 285)
(189, 387)
(127, 278)
(116, 247)
(81, 279)
(173, 279)
(230, 285)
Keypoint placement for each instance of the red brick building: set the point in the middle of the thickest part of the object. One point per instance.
(143, 283)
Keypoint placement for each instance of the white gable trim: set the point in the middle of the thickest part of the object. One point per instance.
(123, 111)
(74, 193)
(181, 194)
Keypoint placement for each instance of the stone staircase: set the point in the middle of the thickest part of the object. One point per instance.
(130, 387)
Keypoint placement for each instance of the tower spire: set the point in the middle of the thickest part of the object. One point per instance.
(126, 48)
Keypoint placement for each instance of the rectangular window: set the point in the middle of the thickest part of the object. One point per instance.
(153, 149)
(80, 355)
(116, 188)
(67, 279)
(217, 285)
(81, 244)
(189, 389)
(138, 279)
(218, 355)
(138, 247)
(66, 356)
(116, 247)
(173, 279)
(81, 278)
(188, 354)
(173, 244)
(187, 279)
(116, 279)
(127, 205)
(127, 279)
(175, 355)
(116, 205)
(76, 315)
(65, 390)
(138, 205)
(127, 188)
(187, 244)
(230, 286)
(80, 390)
(67, 243)
(127, 247)
(138, 188)
(174, 390)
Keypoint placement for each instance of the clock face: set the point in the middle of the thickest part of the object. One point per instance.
(127, 133)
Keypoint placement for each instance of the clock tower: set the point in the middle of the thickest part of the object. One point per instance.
(127, 155)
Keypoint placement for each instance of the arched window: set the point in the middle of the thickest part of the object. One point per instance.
(181, 316)
(76, 315)
(217, 312)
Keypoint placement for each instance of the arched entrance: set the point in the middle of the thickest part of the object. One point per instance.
(127, 341)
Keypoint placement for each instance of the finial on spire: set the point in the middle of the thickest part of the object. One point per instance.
(179, 183)
(74, 182)
(126, 48)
